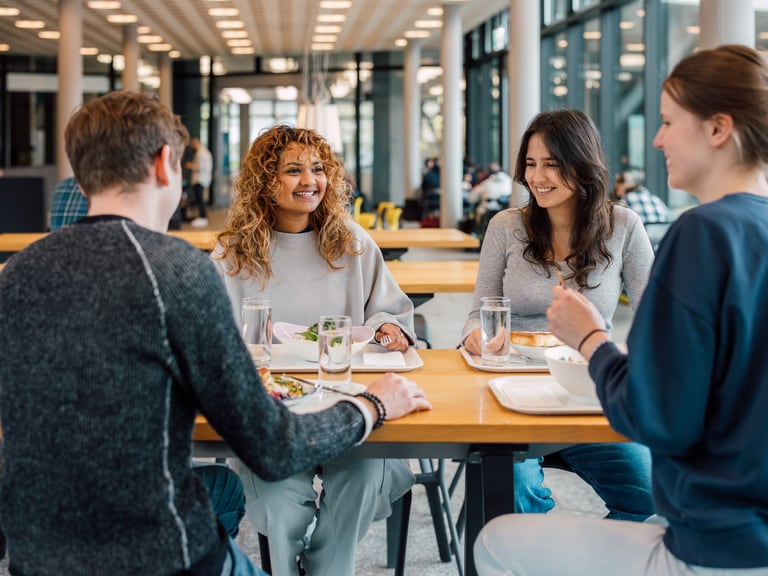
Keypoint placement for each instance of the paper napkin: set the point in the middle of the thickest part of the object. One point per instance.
(384, 359)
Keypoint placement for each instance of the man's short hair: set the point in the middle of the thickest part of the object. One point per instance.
(114, 139)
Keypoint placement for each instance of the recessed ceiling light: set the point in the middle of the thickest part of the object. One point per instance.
(104, 5)
(104, 58)
(335, 4)
(149, 39)
(238, 42)
(8, 11)
(122, 18)
(331, 17)
(417, 34)
(4, 47)
(327, 29)
(234, 34)
(174, 54)
(89, 51)
(435, 11)
(161, 47)
(243, 50)
(324, 38)
(223, 12)
(229, 24)
(49, 34)
(143, 30)
(29, 24)
(321, 46)
(428, 23)
(401, 42)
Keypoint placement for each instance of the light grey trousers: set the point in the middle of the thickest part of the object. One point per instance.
(549, 545)
(355, 492)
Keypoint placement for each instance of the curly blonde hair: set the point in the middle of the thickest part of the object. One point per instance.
(251, 219)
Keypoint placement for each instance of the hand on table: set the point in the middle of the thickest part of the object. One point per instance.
(399, 395)
(397, 340)
(571, 317)
(473, 342)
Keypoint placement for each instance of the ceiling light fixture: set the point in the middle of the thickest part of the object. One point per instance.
(417, 34)
(327, 29)
(331, 17)
(49, 34)
(88, 51)
(223, 12)
(8, 11)
(161, 47)
(234, 34)
(5, 47)
(335, 4)
(29, 24)
(122, 18)
(149, 39)
(243, 50)
(230, 24)
(104, 5)
(324, 38)
(428, 23)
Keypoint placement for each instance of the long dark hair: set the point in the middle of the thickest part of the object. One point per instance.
(574, 143)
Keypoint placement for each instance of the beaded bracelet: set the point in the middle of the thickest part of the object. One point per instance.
(595, 331)
(380, 409)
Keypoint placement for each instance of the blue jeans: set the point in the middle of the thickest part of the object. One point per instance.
(237, 563)
(226, 493)
(620, 474)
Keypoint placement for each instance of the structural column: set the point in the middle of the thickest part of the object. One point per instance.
(70, 76)
(131, 55)
(726, 22)
(451, 161)
(523, 71)
(165, 93)
(412, 120)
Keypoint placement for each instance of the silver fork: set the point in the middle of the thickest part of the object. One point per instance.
(385, 339)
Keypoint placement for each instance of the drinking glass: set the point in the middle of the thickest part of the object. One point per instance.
(256, 318)
(494, 330)
(335, 350)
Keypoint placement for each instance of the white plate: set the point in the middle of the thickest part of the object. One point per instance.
(323, 399)
(516, 363)
(284, 360)
(538, 395)
(288, 335)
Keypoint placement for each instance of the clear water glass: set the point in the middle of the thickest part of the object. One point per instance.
(494, 330)
(256, 325)
(335, 350)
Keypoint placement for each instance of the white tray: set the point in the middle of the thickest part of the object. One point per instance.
(518, 364)
(284, 361)
(538, 395)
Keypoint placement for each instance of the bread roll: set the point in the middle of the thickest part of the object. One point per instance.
(542, 339)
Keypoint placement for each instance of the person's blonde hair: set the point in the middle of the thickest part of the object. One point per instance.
(251, 219)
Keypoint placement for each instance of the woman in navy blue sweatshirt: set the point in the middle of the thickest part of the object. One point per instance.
(694, 385)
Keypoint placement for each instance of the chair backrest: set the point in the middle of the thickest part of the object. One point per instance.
(393, 217)
(357, 207)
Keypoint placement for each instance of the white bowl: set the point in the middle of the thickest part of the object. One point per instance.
(288, 334)
(571, 371)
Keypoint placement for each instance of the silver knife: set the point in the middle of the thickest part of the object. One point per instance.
(319, 386)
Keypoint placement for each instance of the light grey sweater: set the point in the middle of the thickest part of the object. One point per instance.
(504, 272)
(304, 286)
(114, 337)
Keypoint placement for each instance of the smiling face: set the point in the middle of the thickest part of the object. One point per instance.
(682, 138)
(544, 177)
(302, 187)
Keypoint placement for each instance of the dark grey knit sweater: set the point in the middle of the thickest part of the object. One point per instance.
(113, 337)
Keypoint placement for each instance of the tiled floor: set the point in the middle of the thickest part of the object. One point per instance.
(445, 314)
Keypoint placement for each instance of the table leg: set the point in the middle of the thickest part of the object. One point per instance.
(490, 491)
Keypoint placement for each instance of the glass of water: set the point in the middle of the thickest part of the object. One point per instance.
(494, 329)
(256, 323)
(335, 350)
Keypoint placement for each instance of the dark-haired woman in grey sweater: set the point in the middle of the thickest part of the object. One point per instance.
(570, 227)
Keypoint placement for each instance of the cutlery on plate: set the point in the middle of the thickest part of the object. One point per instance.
(318, 386)
(384, 339)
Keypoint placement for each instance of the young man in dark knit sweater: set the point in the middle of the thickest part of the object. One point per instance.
(115, 335)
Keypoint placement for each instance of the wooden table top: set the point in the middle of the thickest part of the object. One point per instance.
(206, 239)
(466, 411)
(434, 276)
(423, 238)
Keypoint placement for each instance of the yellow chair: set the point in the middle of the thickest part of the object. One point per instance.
(385, 211)
(393, 217)
(367, 220)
